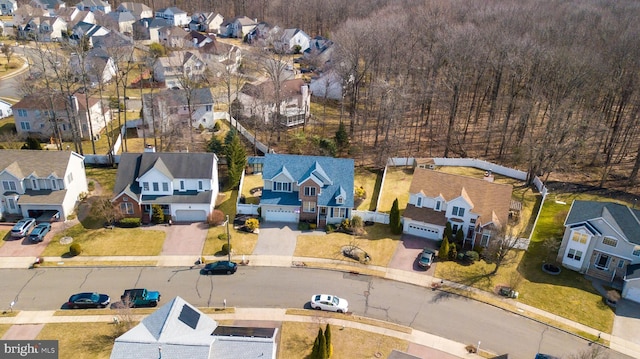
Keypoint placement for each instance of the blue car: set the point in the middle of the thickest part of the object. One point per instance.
(38, 233)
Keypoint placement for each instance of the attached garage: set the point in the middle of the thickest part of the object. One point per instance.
(422, 230)
(631, 288)
(280, 214)
(190, 215)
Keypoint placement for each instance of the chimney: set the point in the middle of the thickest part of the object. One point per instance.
(74, 103)
(149, 148)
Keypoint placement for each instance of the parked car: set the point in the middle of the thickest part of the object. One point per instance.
(330, 303)
(545, 356)
(426, 258)
(38, 233)
(22, 228)
(221, 267)
(140, 297)
(88, 300)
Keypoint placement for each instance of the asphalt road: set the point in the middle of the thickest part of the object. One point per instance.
(447, 316)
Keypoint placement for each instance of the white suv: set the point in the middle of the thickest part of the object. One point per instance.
(23, 227)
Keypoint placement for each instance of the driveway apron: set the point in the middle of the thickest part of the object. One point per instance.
(183, 238)
(407, 251)
(626, 324)
(23, 247)
(276, 239)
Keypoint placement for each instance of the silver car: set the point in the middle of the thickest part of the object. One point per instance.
(23, 227)
(330, 303)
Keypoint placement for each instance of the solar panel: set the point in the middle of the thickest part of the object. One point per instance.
(189, 316)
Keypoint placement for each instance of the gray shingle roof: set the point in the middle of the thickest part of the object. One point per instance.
(337, 174)
(624, 218)
(22, 163)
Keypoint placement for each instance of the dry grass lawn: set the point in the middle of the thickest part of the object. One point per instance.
(109, 242)
(367, 180)
(241, 242)
(75, 263)
(351, 318)
(5, 236)
(296, 341)
(378, 243)
(250, 182)
(105, 176)
(81, 340)
(4, 328)
(396, 185)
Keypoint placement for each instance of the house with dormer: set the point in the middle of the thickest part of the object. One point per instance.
(8, 7)
(476, 206)
(98, 65)
(292, 41)
(174, 16)
(168, 109)
(238, 27)
(602, 240)
(290, 107)
(42, 28)
(41, 184)
(313, 189)
(138, 10)
(178, 67)
(184, 185)
(208, 22)
(50, 5)
(94, 5)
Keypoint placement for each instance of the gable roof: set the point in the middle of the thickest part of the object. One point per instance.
(336, 175)
(41, 101)
(178, 97)
(22, 163)
(621, 217)
(265, 89)
(191, 165)
(490, 200)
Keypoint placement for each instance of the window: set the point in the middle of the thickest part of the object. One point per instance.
(602, 262)
(340, 212)
(454, 229)
(282, 186)
(12, 203)
(182, 185)
(208, 108)
(636, 251)
(126, 207)
(309, 191)
(579, 237)
(9, 185)
(620, 263)
(472, 220)
(34, 183)
(70, 178)
(484, 241)
(610, 241)
(54, 183)
(419, 202)
(145, 186)
(437, 205)
(339, 200)
(22, 113)
(25, 126)
(200, 185)
(156, 187)
(574, 254)
(308, 206)
(458, 211)
(165, 186)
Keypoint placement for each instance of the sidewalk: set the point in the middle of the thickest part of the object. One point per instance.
(420, 279)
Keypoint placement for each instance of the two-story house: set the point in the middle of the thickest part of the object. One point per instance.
(292, 41)
(475, 206)
(41, 183)
(289, 107)
(94, 5)
(42, 28)
(184, 185)
(48, 116)
(174, 15)
(178, 67)
(238, 27)
(168, 109)
(314, 189)
(8, 7)
(138, 10)
(208, 22)
(98, 65)
(601, 240)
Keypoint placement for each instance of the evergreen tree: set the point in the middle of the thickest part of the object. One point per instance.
(342, 139)
(327, 338)
(394, 218)
(444, 249)
(215, 145)
(448, 232)
(236, 158)
(32, 144)
(316, 344)
(157, 215)
(322, 346)
(459, 236)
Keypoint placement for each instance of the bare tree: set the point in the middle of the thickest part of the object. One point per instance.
(501, 249)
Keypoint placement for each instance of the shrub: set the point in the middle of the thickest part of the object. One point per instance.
(252, 224)
(216, 218)
(444, 249)
(226, 248)
(360, 193)
(216, 126)
(157, 215)
(330, 228)
(129, 222)
(471, 256)
(303, 226)
(453, 253)
(75, 249)
(313, 226)
(357, 222)
(346, 223)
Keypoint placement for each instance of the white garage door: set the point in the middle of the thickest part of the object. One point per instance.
(190, 215)
(281, 215)
(633, 294)
(422, 231)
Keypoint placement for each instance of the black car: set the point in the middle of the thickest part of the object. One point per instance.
(222, 267)
(88, 300)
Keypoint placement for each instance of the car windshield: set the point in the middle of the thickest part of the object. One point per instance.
(335, 300)
(425, 257)
(95, 297)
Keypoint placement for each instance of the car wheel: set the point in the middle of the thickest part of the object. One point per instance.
(75, 306)
(154, 304)
(209, 272)
(340, 311)
(316, 308)
(228, 272)
(101, 306)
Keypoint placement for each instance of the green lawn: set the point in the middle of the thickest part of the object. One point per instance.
(105, 176)
(396, 185)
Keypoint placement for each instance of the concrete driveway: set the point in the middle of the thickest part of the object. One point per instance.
(183, 238)
(277, 239)
(407, 252)
(626, 324)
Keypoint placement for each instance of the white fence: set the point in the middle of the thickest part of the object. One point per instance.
(243, 208)
(233, 123)
(377, 217)
(106, 159)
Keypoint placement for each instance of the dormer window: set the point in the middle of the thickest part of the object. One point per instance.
(339, 200)
(54, 183)
(200, 185)
(438, 205)
(34, 183)
(282, 186)
(419, 202)
(182, 185)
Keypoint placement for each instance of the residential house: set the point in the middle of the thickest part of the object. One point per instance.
(94, 5)
(260, 100)
(119, 21)
(477, 207)
(72, 16)
(26, 12)
(263, 35)
(87, 30)
(138, 10)
(218, 54)
(50, 5)
(113, 39)
(42, 28)
(197, 39)
(319, 51)
(47, 116)
(238, 27)
(173, 37)
(147, 30)
(41, 183)
(184, 185)
(292, 41)
(208, 22)
(174, 15)
(5, 109)
(601, 240)
(307, 188)
(327, 85)
(98, 65)
(178, 67)
(179, 330)
(169, 108)
(8, 7)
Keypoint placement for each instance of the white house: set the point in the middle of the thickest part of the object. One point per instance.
(5, 109)
(8, 7)
(292, 40)
(41, 183)
(94, 5)
(175, 16)
(184, 185)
